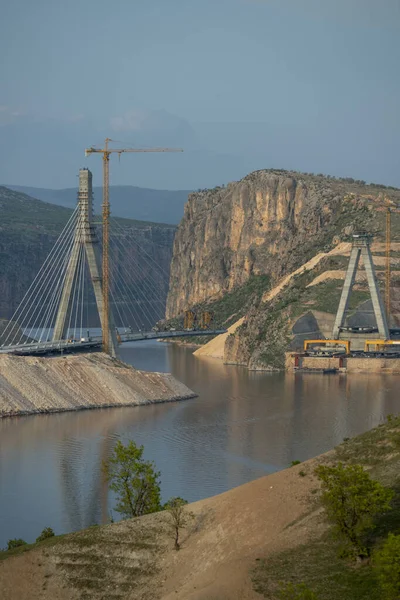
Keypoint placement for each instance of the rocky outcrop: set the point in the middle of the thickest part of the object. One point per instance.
(30, 385)
(270, 222)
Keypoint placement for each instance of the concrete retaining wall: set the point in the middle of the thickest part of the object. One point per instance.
(349, 365)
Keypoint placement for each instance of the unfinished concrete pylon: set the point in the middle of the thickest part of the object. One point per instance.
(85, 235)
(360, 248)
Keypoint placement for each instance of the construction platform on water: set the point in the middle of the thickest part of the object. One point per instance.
(355, 349)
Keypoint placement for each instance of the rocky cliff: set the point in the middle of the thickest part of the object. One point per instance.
(30, 227)
(268, 256)
(269, 223)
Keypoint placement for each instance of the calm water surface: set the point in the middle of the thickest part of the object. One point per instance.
(242, 425)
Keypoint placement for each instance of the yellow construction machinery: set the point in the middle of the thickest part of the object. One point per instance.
(344, 343)
(379, 345)
(106, 151)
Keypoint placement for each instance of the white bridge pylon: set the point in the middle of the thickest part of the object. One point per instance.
(85, 248)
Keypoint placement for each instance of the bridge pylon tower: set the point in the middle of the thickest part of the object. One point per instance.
(85, 236)
(361, 248)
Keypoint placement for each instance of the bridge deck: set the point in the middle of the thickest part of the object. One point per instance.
(95, 342)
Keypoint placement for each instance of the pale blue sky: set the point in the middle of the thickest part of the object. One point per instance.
(241, 84)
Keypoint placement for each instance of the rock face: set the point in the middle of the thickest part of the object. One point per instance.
(270, 222)
(30, 227)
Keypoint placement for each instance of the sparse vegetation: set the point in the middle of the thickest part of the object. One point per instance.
(289, 591)
(387, 565)
(320, 563)
(134, 480)
(15, 543)
(180, 517)
(46, 533)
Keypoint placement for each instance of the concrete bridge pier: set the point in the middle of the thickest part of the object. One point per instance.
(86, 239)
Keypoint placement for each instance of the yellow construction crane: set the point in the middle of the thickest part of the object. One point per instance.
(106, 151)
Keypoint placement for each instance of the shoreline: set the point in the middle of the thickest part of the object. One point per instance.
(94, 407)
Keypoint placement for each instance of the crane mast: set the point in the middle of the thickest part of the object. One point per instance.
(387, 270)
(106, 151)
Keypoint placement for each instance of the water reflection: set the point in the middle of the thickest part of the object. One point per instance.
(242, 425)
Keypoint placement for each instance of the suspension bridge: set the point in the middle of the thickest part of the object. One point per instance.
(68, 308)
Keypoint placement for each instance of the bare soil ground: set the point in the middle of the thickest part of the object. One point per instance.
(135, 559)
(240, 544)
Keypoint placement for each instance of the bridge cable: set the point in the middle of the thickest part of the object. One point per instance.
(148, 285)
(126, 293)
(59, 265)
(13, 323)
(28, 308)
(145, 277)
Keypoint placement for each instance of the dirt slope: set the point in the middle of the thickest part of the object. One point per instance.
(135, 560)
(215, 348)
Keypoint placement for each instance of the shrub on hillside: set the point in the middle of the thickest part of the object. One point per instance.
(290, 591)
(352, 500)
(387, 565)
(46, 533)
(15, 543)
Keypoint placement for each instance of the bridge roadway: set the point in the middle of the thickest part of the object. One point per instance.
(95, 342)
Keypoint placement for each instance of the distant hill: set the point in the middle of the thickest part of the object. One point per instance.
(29, 228)
(158, 206)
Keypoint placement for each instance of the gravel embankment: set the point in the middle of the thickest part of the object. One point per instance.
(31, 385)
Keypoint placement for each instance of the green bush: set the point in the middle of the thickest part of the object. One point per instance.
(46, 533)
(387, 565)
(289, 591)
(295, 462)
(352, 500)
(15, 543)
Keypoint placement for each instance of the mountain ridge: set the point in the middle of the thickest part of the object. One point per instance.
(29, 228)
(132, 202)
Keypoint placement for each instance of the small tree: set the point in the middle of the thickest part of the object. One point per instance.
(352, 499)
(387, 565)
(179, 517)
(300, 591)
(134, 480)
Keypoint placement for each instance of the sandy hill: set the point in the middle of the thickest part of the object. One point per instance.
(240, 545)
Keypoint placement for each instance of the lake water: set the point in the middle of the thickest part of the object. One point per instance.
(241, 426)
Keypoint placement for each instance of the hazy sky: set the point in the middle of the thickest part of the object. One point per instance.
(241, 85)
